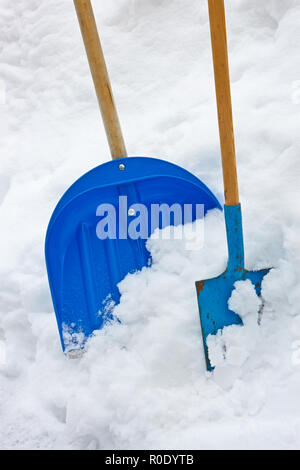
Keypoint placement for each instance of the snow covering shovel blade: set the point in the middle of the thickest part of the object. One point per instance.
(214, 294)
(84, 269)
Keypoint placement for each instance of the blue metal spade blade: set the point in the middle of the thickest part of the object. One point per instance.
(84, 270)
(213, 294)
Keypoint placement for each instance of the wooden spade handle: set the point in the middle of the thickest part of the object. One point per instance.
(222, 82)
(100, 76)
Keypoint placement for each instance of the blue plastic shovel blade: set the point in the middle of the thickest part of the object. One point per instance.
(83, 270)
(214, 294)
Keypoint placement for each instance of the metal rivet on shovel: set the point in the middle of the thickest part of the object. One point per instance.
(213, 294)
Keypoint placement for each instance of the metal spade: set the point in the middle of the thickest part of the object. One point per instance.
(213, 294)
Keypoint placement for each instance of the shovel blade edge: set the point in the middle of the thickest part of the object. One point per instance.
(213, 296)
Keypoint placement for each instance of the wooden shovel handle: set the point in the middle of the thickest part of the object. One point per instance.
(100, 76)
(222, 82)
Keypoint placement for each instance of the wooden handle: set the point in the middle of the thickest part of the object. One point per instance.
(222, 82)
(100, 76)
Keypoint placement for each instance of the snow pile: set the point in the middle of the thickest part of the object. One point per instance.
(142, 383)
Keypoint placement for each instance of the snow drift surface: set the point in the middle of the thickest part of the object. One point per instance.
(142, 383)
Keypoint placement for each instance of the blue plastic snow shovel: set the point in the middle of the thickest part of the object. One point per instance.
(88, 247)
(213, 294)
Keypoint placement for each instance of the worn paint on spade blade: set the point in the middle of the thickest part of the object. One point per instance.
(214, 294)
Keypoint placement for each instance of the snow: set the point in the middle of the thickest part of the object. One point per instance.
(143, 383)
